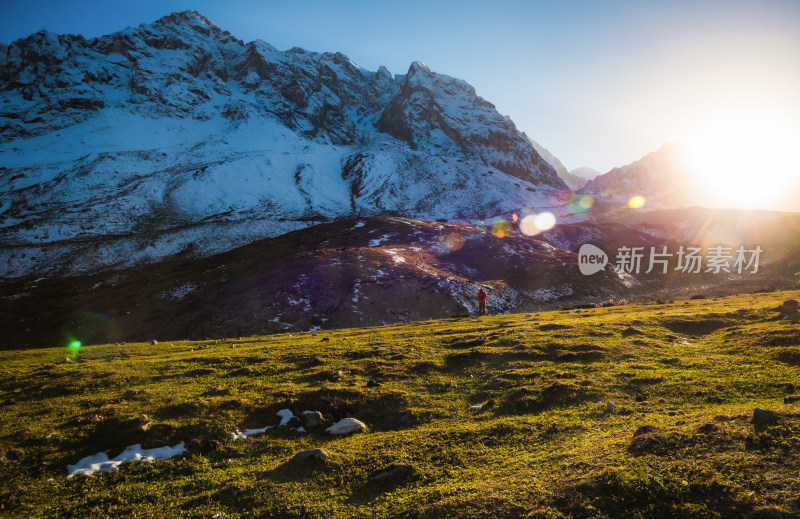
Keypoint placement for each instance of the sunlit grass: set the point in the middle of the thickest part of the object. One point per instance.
(542, 445)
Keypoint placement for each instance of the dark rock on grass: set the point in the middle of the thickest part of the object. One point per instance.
(495, 383)
(707, 428)
(310, 455)
(640, 397)
(644, 429)
(763, 417)
(312, 419)
(631, 331)
(490, 442)
(408, 417)
(790, 307)
(642, 434)
(196, 446)
(791, 399)
(372, 383)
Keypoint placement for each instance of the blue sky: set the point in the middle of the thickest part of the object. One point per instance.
(598, 83)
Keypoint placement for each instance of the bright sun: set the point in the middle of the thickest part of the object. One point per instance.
(746, 158)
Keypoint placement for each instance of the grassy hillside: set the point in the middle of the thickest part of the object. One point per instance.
(544, 442)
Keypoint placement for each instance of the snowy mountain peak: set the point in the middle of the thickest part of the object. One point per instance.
(194, 142)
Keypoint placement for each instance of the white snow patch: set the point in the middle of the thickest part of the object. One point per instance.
(285, 415)
(377, 241)
(238, 435)
(100, 463)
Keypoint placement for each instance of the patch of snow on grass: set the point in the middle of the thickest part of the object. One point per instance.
(285, 415)
(238, 435)
(100, 463)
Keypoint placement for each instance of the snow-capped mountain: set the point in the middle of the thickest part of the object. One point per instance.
(177, 138)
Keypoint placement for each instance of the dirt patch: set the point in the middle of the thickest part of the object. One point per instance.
(695, 327)
(789, 356)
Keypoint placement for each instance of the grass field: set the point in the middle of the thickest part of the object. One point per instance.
(545, 443)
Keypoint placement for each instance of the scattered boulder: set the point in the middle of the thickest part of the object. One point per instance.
(143, 427)
(312, 419)
(609, 407)
(791, 399)
(346, 426)
(490, 442)
(644, 429)
(762, 417)
(495, 383)
(407, 417)
(372, 383)
(707, 428)
(311, 455)
(154, 342)
(639, 443)
(789, 307)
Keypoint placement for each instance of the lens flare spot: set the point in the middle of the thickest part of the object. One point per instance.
(515, 217)
(579, 204)
(501, 228)
(452, 242)
(636, 202)
(74, 344)
(545, 221)
(528, 226)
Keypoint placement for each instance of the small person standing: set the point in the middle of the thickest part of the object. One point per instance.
(481, 302)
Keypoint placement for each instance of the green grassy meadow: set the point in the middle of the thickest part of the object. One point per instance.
(544, 443)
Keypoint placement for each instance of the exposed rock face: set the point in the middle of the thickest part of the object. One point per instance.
(194, 142)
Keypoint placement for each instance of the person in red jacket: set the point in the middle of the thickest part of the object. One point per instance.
(481, 302)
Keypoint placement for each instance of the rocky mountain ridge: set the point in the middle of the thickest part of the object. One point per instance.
(177, 138)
